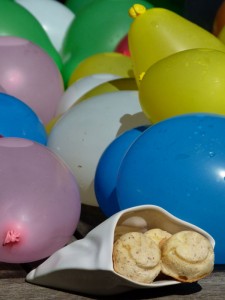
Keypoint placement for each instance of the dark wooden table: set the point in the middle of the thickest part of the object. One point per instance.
(14, 286)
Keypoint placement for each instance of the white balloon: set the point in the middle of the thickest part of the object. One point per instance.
(82, 134)
(54, 17)
(79, 88)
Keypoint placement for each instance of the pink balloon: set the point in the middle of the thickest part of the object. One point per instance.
(30, 74)
(39, 201)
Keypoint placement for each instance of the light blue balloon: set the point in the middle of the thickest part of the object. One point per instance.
(108, 167)
(17, 119)
(179, 164)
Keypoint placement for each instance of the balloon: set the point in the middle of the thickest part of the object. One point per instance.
(79, 88)
(81, 135)
(15, 20)
(174, 5)
(157, 33)
(185, 82)
(123, 46)
(219, 19)
(30, 75)
(18, 120)
(40, 202)
(108, 167)
(97, 29)
(112, 63)
(115, 85)
(54, 17)
(179, 164)
(76, 5)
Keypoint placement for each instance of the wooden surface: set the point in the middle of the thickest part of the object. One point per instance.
(14, 286)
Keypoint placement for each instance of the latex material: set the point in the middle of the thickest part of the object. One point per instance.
(54, 17)
(219, 20)
(18, 120)
(39, 201)
(79, 88)
(97, 29)
(192, 81)
(76, 5)
(115, 85)
(108, 63)
(159, 32)
(123, 46)
(93, 272)
(15, 20)
(30, 75)
(108, 168)
(81, 135)
(178, 164)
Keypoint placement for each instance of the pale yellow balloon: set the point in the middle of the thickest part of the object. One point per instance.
(110, 62)
(121, 84)
(157, 33)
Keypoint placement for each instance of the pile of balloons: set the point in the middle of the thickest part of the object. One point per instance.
(110, 104)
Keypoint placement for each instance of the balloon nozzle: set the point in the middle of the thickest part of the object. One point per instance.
(11, 238)
(136, 10)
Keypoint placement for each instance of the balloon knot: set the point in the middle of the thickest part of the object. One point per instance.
(136, 10)
(12, 237)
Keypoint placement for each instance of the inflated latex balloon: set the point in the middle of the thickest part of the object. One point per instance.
(108, 168)
(185, 82)
(174, 5)
(120, 84)
(123, 46)
(179, 164)
(54, 17)
(29, 74)
(111, 63)
(40, 201)
(18, 120)
(79, 88)
(15, 20)
(81, 135)
(219, 20)
(76, 5)
(157, 33)
(97, 29)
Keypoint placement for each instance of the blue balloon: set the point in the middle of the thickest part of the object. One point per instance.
(179, 164)
(108, 167)
(17, 119)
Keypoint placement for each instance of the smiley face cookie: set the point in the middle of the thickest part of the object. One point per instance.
(137, 257)
(187, 256)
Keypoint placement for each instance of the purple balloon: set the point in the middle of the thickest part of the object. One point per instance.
(30, 74)
(39, 204)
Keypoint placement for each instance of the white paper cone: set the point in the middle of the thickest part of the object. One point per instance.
(86, 265)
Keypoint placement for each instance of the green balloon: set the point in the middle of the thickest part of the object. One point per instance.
(174, 5)
(77, 5)
(99, 27)
(15, 20)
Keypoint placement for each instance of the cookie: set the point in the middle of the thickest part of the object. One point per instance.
(122, 229)
(187, 256)
(137, 257)
(159, 236)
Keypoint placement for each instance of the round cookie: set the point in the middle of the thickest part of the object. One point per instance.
(137, 257)
(158, 235)
(187, 256)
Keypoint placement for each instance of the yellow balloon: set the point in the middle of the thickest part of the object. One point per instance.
(157, 33)
(112, 63)
(121, 84)
(190, 81)
(51, 124)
